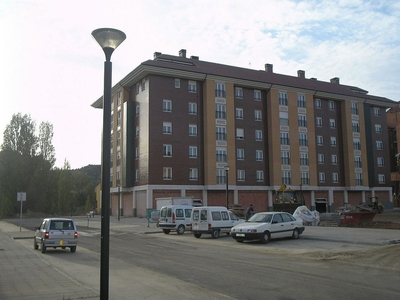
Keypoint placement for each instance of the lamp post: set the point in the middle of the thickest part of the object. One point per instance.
(227, 182)
(109, 39)
(119, 203)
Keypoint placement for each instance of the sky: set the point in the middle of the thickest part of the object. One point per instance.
(52, 68)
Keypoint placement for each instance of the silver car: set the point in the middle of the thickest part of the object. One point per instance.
(56, 233)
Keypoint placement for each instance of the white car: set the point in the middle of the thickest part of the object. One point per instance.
(264, 226)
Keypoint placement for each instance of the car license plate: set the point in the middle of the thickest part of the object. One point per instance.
(61, 242)
(240, 234)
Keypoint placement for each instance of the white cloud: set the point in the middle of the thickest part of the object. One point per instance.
(53, 69)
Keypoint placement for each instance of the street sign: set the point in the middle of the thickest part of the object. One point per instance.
(21, 196)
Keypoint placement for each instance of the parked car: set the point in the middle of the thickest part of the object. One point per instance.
(175, 217)
(264, 226)
(213, 220)
(56, 233)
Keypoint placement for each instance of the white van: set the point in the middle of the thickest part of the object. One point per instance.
(213, 220)
(175, 217)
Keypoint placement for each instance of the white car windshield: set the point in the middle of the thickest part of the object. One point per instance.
(261, 218)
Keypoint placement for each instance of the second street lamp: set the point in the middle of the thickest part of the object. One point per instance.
(109, 39)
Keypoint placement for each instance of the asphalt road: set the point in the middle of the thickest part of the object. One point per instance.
(281, 269)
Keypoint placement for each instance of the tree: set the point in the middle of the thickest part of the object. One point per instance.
(45, 142)
(19, 135)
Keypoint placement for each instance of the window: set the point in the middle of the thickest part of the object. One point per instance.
(379, 145)
(192, 151)
(334, 160)
(356, 144)
(357, 161)
(241, 175)
(335, 177)
(303, 140)
(354, 108)
(320, 140)
(285, 138)
(143, 84)
(220, 90)
(137, 88)
(193, 174)
(257, 115)
(239, 93)
(260, 175)
(258, 135)
(167, 173)
(302, 120)
(192, 130)
(285, 157)
(283, 118)
(359, 179)
(119, 118)
(318, 103)
(332, 123)
(257, 95)
(305, 178)
(321, 158)
(220, 133)
(355, 126)
(240, 154)
(119, 138)
(381, 178)
(286, 177)
(177, 83)
(259, 155)
(319, 122)
(167, 150)
(192, 108)
(220, 111)
(333, 141)
(378, 128)
(331, 105)
(321, 177)
(303, 158)
(137, 152)
(301, 100)
(239, 113)
(167, 127)
(137, 110)
(167, 105)
(380, 161)
(221, 155)
(221, 176)
(283, 98)
(377, 111)
(137, 131)
(240, 133)
(192, 87)
(119, 97)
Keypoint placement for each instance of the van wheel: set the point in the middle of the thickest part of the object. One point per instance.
(35, 245)
(42, 247)
(295, 234)
(215, 234)
(180, 229)
(266, 237)
(73, 249)
(166, 231)
(197, 235)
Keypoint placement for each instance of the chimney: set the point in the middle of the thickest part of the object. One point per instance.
(156, 54)
(269, 68)
(182, 53)
(194, 57)
(301, 74)
(335, 80)
(313, 78)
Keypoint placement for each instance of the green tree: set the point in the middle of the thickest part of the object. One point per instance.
(65, 189)
(19, 135)
(46, 147)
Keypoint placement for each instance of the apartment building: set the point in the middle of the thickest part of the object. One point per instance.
(183, 127)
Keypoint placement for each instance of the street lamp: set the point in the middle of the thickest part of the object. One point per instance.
(109, 39)
(119, 203)
(226, 176)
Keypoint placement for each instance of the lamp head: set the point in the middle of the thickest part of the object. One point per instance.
(109, 39)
